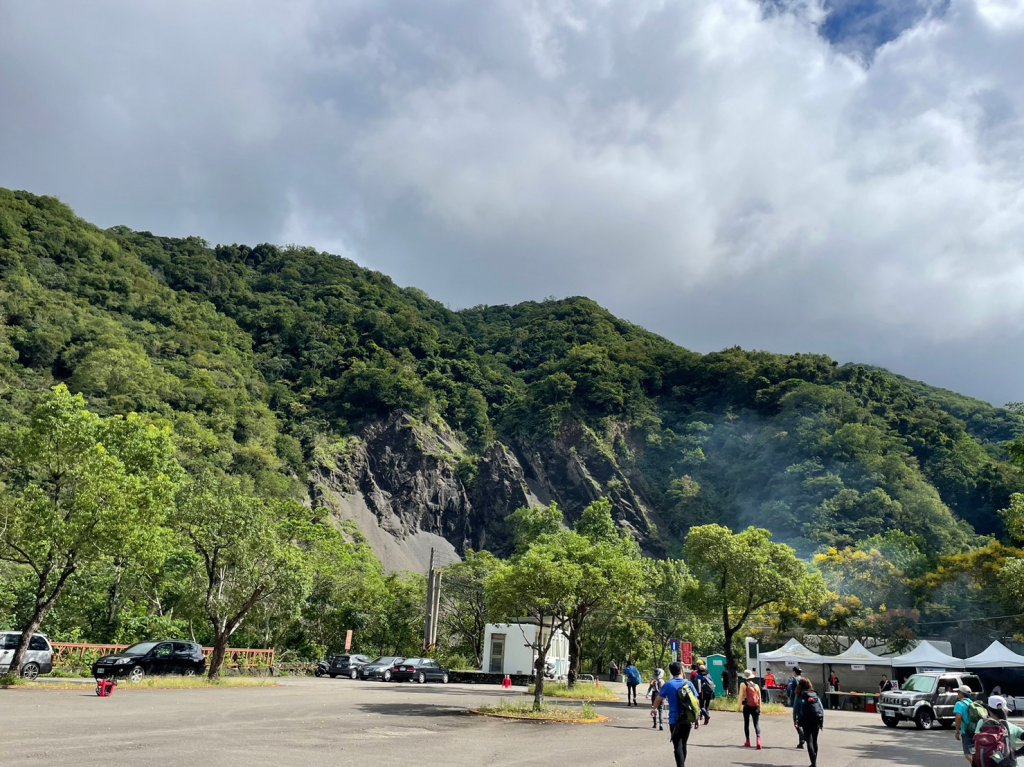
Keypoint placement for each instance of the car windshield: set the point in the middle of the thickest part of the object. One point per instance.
(387, 660)
(139, 649)
(919, 684)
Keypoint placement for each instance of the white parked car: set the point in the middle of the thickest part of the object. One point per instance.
(38, 660)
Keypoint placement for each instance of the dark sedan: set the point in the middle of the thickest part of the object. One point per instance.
(346, 665)
(419, 670)
(138, 661)
(380, 668)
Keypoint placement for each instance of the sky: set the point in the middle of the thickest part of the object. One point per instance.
(832, 176)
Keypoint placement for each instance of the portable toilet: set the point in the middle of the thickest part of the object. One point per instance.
(716, 665)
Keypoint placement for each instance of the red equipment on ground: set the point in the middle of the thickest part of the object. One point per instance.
(105, 687)
(506, 682)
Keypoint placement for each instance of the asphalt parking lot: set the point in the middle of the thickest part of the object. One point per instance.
(312, 722)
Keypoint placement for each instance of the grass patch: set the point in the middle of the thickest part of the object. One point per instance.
(521, 709)
(12, 681)
(154, 683)
(582, 691)
(733, 704)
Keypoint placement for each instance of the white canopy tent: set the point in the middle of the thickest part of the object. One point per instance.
(926, 655)
(791, 653)
(859, 655)
(997, 655)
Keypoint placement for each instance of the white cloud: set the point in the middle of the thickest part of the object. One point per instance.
(724, 176)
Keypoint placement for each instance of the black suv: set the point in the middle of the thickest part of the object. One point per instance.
(166, 657)
(346, 665)
(927, 698)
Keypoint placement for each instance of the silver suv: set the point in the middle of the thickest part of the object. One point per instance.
(926, 698)
(38, 660)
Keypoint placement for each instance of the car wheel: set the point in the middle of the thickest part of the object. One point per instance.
(924, 719)
(386, 676)
(190, 672)
(136, 674)
(444, 679)
(354, 674)
(890, 721)
(30, 671)
(421, 678)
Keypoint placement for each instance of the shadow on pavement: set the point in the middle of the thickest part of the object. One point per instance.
(428, 690)
(413, 709)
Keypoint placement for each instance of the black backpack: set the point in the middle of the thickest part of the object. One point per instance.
(812, 713)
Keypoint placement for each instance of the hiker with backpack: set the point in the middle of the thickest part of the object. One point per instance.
(705, 687)
(997, 743)
(657, 718)
(633, 679)
(683, 710)
(808, 717)
(750, 697)
(968, 713)
(792, 690)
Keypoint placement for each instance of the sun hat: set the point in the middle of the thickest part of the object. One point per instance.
(748, 674)
(996, 702)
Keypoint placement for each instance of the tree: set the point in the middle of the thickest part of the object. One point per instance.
(464, 608)
(251, 551)
(80, 490)
(610, 572)
(671, 590)
(533, 522)
(741, 574)
(535, 585)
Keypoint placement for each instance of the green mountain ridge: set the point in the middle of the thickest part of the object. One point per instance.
(281, 364)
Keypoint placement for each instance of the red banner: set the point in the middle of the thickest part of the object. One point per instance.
(686, 653)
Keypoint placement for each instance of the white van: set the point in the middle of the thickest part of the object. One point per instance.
(38, 660)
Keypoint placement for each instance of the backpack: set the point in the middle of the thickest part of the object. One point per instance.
(976, 712)
(752, 695)
(812, 714)
(689, 706)
(707, 686)
(791, 690)
(633, 675)
(991, 744)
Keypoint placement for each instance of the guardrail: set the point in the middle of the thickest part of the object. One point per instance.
(66, 653)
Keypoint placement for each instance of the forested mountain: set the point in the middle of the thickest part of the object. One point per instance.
(320, 380)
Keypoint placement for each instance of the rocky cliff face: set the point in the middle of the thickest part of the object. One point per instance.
(411, 487)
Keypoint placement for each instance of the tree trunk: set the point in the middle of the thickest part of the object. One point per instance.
(730, 657)
(217, 656)
(575, 650)
(39, 613)
(538, 683)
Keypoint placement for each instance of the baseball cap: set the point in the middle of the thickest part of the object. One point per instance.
(964, 689)
(996, 701)
(797, 670)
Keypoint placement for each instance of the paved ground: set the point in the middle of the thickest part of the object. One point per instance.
(313, 722)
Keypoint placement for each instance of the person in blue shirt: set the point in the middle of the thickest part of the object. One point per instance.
(677, 723)
(633, 679)
(963, 705)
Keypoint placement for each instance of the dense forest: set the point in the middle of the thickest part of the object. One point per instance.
(268, 364)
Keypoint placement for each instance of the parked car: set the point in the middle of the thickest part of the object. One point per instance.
(346, 665)
(38, 660)
(162, 657)
(380, 668)
(419, 670)
(926, 698)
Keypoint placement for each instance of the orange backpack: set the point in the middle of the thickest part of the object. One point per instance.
(752, 695)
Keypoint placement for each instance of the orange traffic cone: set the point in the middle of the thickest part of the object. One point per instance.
(597, 682)
(506, 682)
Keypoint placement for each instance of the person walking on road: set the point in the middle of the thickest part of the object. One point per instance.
(792, 690)
(961, 720)
(750, 698)
(726, 679)
(657, 717)
(808, 717)
(705, 687)
(683, 714)
(997, 742)
(633, 679)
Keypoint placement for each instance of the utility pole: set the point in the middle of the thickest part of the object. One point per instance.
(433, 606)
